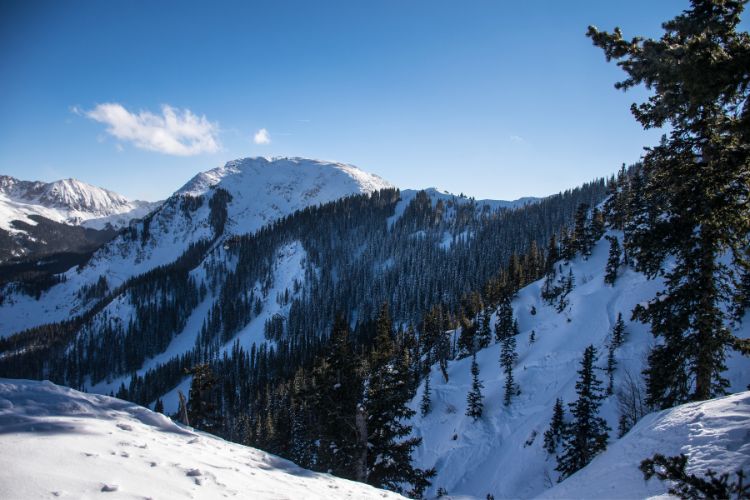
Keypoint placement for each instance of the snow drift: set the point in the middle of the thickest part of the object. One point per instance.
(715, 434)
(58, 442)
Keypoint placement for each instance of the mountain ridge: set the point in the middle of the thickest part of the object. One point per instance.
(68, 201)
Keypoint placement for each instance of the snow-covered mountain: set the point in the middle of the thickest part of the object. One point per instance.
(62, 443)
(68, 201)
(260, 191)
(502, 452)
(266, 189)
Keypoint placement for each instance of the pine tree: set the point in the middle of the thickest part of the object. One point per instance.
(425, 404)
(613, 262)
(618, 331)
(485, 330)
(586, 435)
(508, 358)
(335, 396)
(159, 406)
(611, 366)
(693, 206)
(386, 403)
(474, 399)
(202, 407)
(468, 340)
(553, 255)
(597, 226)
(685, 485)
(581, 234)
(504, 323)
(553, 435)
(568, 245)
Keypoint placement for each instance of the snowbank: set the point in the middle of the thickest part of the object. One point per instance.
(714, 434)
(58, 442)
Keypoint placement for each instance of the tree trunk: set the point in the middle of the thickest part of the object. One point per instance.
(706, 321)
(182, 411)
(360, 468)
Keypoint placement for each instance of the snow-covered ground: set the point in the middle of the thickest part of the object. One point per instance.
(61, 443)
(715, 435)
(502, 452)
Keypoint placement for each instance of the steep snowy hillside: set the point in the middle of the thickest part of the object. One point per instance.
(61, 443)
(68, 201)
(254, 192)
(502, 452)
(715, 434)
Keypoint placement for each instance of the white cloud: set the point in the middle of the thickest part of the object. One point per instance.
(174, 132)
(517, 139)
(262, 137)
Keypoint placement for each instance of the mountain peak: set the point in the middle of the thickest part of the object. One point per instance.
(69, 201)
(297, 174)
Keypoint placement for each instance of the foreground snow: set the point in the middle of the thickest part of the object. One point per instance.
(715, 435)
(58, 442)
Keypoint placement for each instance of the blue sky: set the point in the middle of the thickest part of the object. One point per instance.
(493, 99)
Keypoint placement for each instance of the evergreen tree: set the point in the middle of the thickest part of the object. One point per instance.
(474, 399)
(337, 392)
(694, 205)
(568, 245)
(553, 436)
(618, 332)
(581, 233)
(613, 262)
(508, 358)
(504, 323)
(611, 366)
(425, 404)
(202, 407)
(586, 435)
(553, 255)
(468, 339)
(689, 486)
(485, 330)
(159, 406)
(597, 226)
(386, 402)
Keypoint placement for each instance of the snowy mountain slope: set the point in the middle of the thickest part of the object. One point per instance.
(502, 452)
(264, 189)
(288, 268)
(260, 192)
(715, 434)
(68, 201)
(61, 443)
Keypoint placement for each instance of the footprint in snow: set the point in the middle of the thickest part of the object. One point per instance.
(110, 487)
(125, 427)
(193, 473)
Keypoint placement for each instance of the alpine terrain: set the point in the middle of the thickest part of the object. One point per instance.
(377, 341)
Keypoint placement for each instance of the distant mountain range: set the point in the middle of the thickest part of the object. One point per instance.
(45, 218)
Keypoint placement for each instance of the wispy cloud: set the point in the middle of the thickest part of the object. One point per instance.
(517, 139)
(262, 137)
(174, 131)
